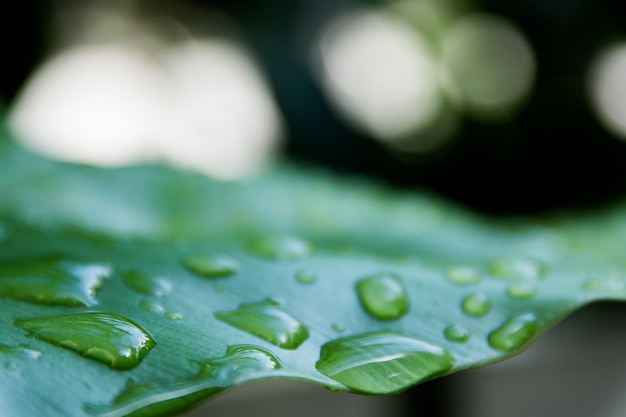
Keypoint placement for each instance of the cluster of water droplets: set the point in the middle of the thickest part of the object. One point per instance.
(120, 343)
(151, 286)
(522, 276)
(55, 280)
(375, 362)
(241, 363)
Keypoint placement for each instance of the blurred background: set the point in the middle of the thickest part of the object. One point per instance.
(509, 107)
(505, 106)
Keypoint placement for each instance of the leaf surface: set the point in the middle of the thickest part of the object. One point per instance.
(295, 274)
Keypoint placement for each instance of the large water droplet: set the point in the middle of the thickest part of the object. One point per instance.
(267, 321)
(463, 275)
(383, 296)
(105, 337)
(457, 333)
(514, 333)
(517, 268)
(306, 278)
(281, 248)
(476, 304)
(146, 284)
(241, 363)
(52, 280)
(210, 266)
(522, 291)
(382, 363)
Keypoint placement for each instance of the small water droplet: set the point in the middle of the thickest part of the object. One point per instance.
(146, 284)
(281, 248)
(517, 268)
(173, 316)
(522, 291)
(382, 363)
(306, 278)
(383, 296)
(267, 321)
(476, 304)
(338, 328)
(211, 266)
(52, 280)
(241, 363)
(151, 307)
(105, 337)
(609, 284)
(457, 333)
(463, 275)
(10, 354)
(21, 351)
(514, 333)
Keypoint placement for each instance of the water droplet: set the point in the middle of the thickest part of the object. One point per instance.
(241, 363)
(338, 328)
(9, 354)
(146, 284)
(151, 307)
(522, 291)
(382, 363)
(609, 284)
(463, 275)
(306, 278)
(514, 333)
(20, 351)
(457, 333)
(105, 337)
(173, 316)
(281, 248)
(517, 268)
(52, 280)
(476, 304)
(383, 296)
(267, 321)
(210, 266)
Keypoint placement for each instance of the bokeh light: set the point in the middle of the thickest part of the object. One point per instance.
(454, 95)
(199, 103)
(224, 120)
(379, 73)
(490, 67)
(92, 104)
(606, 83)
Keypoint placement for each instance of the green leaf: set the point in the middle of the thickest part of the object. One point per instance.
(141, 291)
